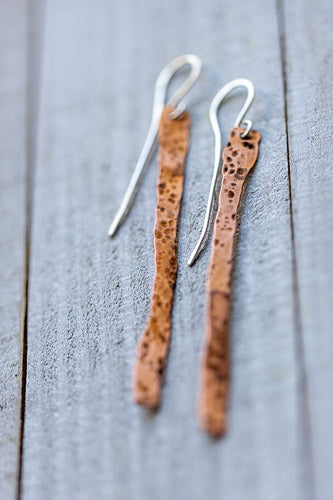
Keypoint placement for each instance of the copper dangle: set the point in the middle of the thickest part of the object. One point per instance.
(239, 156)
(170, 124)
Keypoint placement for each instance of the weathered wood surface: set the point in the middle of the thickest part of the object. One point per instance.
(12, 235)
(309, 63)
(89, 297)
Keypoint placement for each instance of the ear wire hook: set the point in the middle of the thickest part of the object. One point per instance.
(214, 107)
(160, 95)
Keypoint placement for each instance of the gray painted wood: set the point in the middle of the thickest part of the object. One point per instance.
(89, 297)
(12, 247)
(309, 60)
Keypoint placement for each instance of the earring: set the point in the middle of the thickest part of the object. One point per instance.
(239, 156)
(170, 124)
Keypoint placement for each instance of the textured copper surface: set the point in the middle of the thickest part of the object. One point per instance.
(239, 156)
(153, 345)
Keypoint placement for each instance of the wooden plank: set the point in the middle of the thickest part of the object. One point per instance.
(89, 297)
(12, 236)
(309, 66)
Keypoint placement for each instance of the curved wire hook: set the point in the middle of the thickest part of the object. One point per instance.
(213, 109)
(160, 97)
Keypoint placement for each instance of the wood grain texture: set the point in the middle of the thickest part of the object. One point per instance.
(84, 438)
(309, 64)
(153, 346)
(239, 156)
(12, 236)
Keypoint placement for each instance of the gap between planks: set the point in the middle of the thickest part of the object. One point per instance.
(306, 441)
(34, 43)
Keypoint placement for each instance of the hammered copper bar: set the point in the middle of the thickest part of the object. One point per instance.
(153, 345)
(239, 156)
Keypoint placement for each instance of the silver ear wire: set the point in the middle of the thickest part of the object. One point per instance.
(160, 94)
(214, 107)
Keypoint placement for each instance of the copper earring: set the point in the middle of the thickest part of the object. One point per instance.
(239, 156)
(170, 125)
